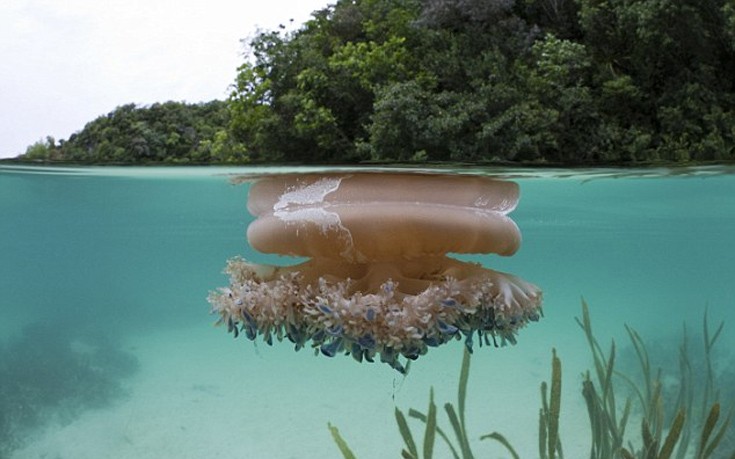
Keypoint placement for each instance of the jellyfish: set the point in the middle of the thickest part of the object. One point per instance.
(378, 282)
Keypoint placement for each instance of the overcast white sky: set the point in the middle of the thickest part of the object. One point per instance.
(64, 63)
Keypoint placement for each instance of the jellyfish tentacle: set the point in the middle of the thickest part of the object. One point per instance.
(337, 318)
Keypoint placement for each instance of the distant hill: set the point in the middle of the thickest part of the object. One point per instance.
(170, 132)
(560, 82)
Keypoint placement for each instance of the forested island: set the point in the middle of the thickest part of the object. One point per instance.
(527, 81)
(171, 132)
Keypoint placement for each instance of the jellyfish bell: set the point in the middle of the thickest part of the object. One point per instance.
(378, 282)
(382, 217)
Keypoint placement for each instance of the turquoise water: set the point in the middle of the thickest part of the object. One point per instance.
(107, 348)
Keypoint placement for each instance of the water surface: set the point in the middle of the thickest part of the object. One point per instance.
(107, 348)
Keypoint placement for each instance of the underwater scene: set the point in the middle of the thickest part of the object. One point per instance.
(303, 312)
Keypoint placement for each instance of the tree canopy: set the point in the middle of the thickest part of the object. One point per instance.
(557, 81)
(170, 132)
(466, 80)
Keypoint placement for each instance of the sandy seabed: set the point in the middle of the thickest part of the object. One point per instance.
(201, 394)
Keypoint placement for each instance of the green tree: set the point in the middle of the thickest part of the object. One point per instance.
(163, 132)
(565, 81)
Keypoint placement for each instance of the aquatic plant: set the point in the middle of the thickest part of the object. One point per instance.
(549, 442)
(660, 437)
(460, 448)
(378, 283)
(608, 421)
(608, 429)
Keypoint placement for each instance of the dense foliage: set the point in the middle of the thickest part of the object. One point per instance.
(466, 80)
(563, 81)
(168, 132)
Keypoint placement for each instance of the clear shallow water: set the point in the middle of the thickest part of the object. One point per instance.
(104, 274)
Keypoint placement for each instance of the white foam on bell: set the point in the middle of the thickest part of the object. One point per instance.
(305, 205)
(308, 195)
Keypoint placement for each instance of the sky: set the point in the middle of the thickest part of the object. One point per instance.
(64, 63)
